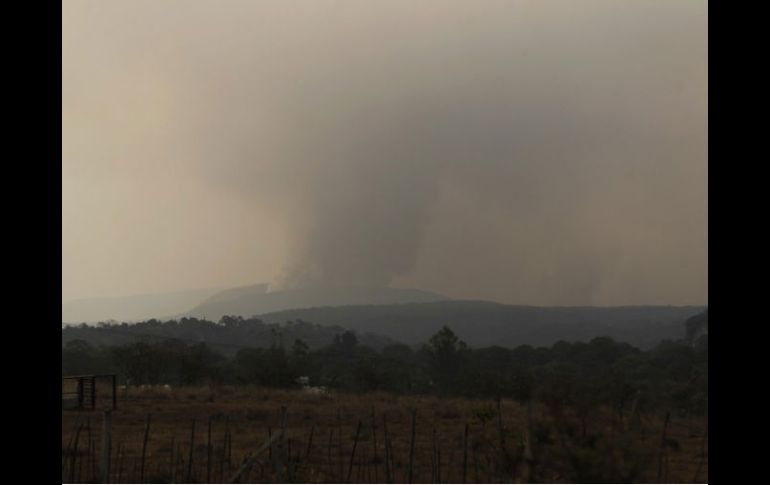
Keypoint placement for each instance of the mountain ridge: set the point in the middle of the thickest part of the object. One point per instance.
(258, 301)
(481, 323)
(133, 307)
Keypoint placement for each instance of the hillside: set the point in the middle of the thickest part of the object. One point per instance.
(254, 300)
(227, 337)
(481, 323)
(697, 326)
(133, 308)
(246, 301)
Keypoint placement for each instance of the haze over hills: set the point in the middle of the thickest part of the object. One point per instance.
(226, 337)
(405, 315)
(133, 308)
(245, 301)
(482, 323)
(255, 300)
(546, 153)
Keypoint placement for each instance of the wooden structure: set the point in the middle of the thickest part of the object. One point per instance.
(79, 392)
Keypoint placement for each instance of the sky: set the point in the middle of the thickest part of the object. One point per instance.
(529, 152)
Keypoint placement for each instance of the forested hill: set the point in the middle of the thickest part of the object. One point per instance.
(697, 326)
(481, 323)
(253, 300)
(228, 336)
(478, 323)
(133, 308)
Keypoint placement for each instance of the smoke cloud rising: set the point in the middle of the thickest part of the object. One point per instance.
(528, 152)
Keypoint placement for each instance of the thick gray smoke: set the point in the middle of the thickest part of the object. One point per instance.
(544, 129)
(533, 152)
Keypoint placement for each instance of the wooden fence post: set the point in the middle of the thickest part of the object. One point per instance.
(208, 454)
(144, 448)
(465, 454)
(374, 437)
(192, 449)
(663, 446)
(114, 392)
(353, 453)
(411, 446)
(106, 444)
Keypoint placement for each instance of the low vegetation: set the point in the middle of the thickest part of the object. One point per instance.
(598, 411)
(213, 435)
(672, 376)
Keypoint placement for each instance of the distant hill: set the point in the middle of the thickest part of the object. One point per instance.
(133, 308)
(394, 314)
(697, 326)
(244, 301)
(481, 323)
(227, 337)
(253, 300)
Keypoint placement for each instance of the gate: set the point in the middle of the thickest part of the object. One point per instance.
(80, 392)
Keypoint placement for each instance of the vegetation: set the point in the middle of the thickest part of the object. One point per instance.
(579, 375)
(227, 336)
(215, 434)
(584, 412)
(483, 323)
(478, 323)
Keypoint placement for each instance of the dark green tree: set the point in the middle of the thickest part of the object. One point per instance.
(447, 354)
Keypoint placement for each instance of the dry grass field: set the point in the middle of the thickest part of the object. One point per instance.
(204, 435)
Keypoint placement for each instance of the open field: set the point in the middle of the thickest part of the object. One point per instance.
(206, 435)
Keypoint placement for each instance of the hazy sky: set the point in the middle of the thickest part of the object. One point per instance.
(535, 152)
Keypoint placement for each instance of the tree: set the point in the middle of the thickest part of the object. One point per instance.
(80, 357)
(447, 353)
(346, 342)
(263, 367)
(231, 321)
(299, 349)
(199, 363)
(445, 342)
(300, 358)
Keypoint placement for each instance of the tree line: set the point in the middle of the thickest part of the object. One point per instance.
(581, 375)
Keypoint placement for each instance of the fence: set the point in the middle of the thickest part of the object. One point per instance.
(80, 392)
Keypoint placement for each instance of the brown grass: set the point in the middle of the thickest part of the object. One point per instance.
(240, 418)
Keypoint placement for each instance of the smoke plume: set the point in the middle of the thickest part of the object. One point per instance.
(530, 152)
